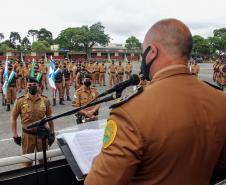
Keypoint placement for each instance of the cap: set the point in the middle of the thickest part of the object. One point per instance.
(31, 80)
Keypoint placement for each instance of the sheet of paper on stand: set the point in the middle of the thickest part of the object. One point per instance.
(85, 146)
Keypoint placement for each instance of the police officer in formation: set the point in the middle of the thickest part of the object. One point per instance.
(219, 73)
(31, 107)
(84, 95)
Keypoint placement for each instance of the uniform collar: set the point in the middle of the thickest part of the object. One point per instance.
(169, 71)
(27, 96)
(85, 89)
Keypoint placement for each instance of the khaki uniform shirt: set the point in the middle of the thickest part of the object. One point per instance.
(90, 68)
(173, 133)
(112, 68)
(31, 111)
(120, 69)
(128, 68)
(102, 69)
(19, 70)
(43, 68)
(26, 72)
(195, 69)
(96, 68)
(83, 96)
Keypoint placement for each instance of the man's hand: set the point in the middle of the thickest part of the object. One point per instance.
(89, 114)
(17, 140)
(51, 139)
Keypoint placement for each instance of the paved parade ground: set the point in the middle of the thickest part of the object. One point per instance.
(8, 148)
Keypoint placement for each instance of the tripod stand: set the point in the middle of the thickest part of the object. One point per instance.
(43, 134)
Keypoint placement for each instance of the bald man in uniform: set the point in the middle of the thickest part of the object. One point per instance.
(169, 141)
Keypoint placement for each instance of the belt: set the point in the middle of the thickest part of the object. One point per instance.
(120, 73)
(58, 82)
(102, 72)
(112, 72)
(30, 132)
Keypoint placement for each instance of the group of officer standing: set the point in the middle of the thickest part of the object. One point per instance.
(219, 73)
(32, 77)
(69, 73)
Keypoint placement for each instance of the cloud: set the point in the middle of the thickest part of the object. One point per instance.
(122, 18)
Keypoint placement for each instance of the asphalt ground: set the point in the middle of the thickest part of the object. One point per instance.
(8, 148)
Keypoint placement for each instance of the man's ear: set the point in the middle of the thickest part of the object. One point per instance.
(152, 54)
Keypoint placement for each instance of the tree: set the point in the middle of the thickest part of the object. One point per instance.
(33, 34)
(44, 34)
(9, 44)
(201, 46)
(133, 43)
(219, 40)
(1, 36)
(25, 45)
(68, 39)
(40, 46)
(15, 38)
(4, 47)
(83, 38)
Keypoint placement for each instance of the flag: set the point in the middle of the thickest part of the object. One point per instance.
(5, 77)
(6, 71)
(51, 75)
(39, 76)
(7, 82)
(33, 69)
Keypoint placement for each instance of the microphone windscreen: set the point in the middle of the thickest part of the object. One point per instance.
(135, 80)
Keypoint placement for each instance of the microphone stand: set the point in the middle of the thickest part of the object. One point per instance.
(43, 132)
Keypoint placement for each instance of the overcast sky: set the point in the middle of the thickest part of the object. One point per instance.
(122, 18)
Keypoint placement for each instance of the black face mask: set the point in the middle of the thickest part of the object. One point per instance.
(33, 90)
(145, 68)
(87, 83)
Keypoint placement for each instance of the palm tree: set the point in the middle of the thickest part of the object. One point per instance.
(1, 36)
(33, 33)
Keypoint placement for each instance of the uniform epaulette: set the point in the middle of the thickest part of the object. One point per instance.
(78, 90)
(214, 86)
(20, 97)
(127, 98)
(44, 96)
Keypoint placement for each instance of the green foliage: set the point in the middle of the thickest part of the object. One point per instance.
(201, 46)
(212, 45)
(40, 46)
(15, 38)
(218, 41)
(44, 34)
(83, 38)
(9, 44)
(133, 43)
(4, 47)
(25, 45)
(68, 39)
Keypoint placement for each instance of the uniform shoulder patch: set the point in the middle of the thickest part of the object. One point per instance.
(127, 98)
(109, 133)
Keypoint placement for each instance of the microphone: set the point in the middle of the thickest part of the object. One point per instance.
(133, 80)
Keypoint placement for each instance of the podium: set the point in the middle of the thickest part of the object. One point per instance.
(100, 124)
